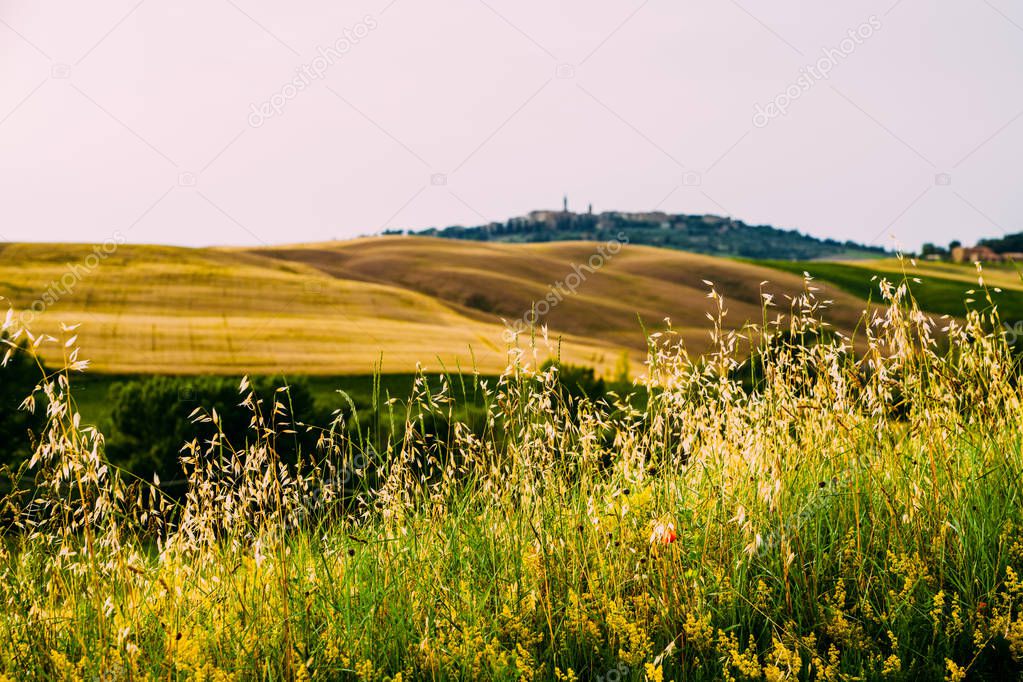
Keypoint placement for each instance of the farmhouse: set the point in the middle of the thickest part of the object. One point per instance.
(983, 254)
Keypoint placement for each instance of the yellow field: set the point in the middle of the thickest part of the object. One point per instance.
(342, 307)
(490, 281)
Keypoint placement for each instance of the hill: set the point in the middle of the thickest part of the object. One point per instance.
(340, 308)
(706, 234)
(494, 281)
(148, 309)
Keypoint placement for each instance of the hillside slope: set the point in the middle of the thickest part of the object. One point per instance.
(189, 311)
(490, 281)
(341, 307)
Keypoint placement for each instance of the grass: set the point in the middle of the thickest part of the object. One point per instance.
(852, 516)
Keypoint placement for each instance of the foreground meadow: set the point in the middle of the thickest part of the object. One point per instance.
(814, 511)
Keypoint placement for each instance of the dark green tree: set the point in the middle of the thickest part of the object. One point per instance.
(18, 427)
(1010, 242)
(575, 381)
(151, 420)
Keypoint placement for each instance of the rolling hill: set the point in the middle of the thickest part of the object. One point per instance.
(342, 307)
(150, 309)
(488, 281)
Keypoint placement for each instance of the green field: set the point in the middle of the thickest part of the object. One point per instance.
(942, 287)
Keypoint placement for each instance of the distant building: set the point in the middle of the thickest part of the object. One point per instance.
(973, 254)
(548, 218)
(656, 217)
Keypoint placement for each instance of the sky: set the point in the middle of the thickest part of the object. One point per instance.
(246, 122)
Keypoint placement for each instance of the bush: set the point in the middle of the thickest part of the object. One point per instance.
(151, 419)
(18, 379)
(577, 382)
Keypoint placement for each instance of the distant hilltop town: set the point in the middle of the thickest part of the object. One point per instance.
(708, 234)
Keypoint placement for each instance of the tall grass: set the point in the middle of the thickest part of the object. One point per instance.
(797, 504)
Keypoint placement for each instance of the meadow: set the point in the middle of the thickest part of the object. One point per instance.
(794, 503)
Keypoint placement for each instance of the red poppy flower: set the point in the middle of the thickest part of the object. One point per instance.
(663, 533)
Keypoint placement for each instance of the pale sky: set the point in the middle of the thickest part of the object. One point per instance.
(136, 118)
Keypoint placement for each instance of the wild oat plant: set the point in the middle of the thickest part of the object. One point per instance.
(798, 504)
